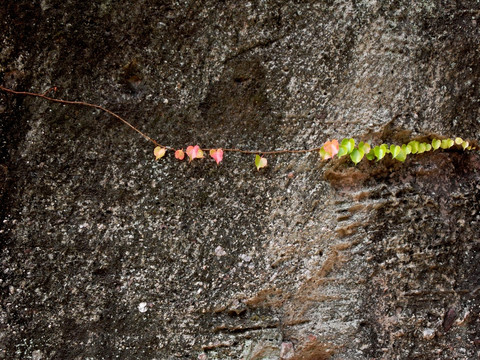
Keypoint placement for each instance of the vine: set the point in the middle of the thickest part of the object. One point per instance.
(327, 151)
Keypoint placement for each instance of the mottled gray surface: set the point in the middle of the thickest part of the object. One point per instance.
(107, 254)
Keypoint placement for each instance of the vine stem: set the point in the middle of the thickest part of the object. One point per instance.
(82, 103)
(145, 136)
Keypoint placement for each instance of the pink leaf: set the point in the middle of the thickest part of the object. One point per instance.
(179, 154)
(217, 155)
(194, 152)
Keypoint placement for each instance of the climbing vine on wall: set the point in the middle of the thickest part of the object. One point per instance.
(330, 149)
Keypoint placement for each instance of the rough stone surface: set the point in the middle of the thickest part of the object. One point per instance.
(107, 254)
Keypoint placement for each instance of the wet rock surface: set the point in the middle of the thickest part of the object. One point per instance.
(107, 254)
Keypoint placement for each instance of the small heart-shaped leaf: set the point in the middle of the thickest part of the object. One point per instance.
(194, 152)
(217, 155)
(422, 147)
(260, 162)
(379, 152)
(436, 144)
(365, 147)
(402, 155)
(159, 152)
(331, 148)
(447, 143)
(179, 154)
(356, 155)
(392, 149)
(413, 146)
(395, 150)
(371, 155)
(349, 144)
(342, 150)
(407, 149)
(323, 154)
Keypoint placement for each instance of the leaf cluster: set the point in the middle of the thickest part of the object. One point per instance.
(327, 151)
(333, 148)
(398, 152)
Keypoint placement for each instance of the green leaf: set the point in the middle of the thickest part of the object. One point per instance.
(428, 147)
(379, 152)
(349, 144)
(413, 146)
(465, 144)
(402, 155)
(407, 149)
(447, 143)
(365, 147)
(356, 155)
(395, 150)
(342, 150)
(371, 155)
(458, 141)
(422, 147)
(436, 144)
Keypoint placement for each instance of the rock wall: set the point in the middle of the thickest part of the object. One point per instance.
(107, 254)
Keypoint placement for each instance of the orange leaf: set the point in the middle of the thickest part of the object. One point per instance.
(331, 148)
(217, 155)
(179, 154)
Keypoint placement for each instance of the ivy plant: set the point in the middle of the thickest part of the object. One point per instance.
(329, 150)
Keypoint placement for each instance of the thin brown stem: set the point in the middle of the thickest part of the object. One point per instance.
(118, 117)
(273, 152)
(82, 103)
